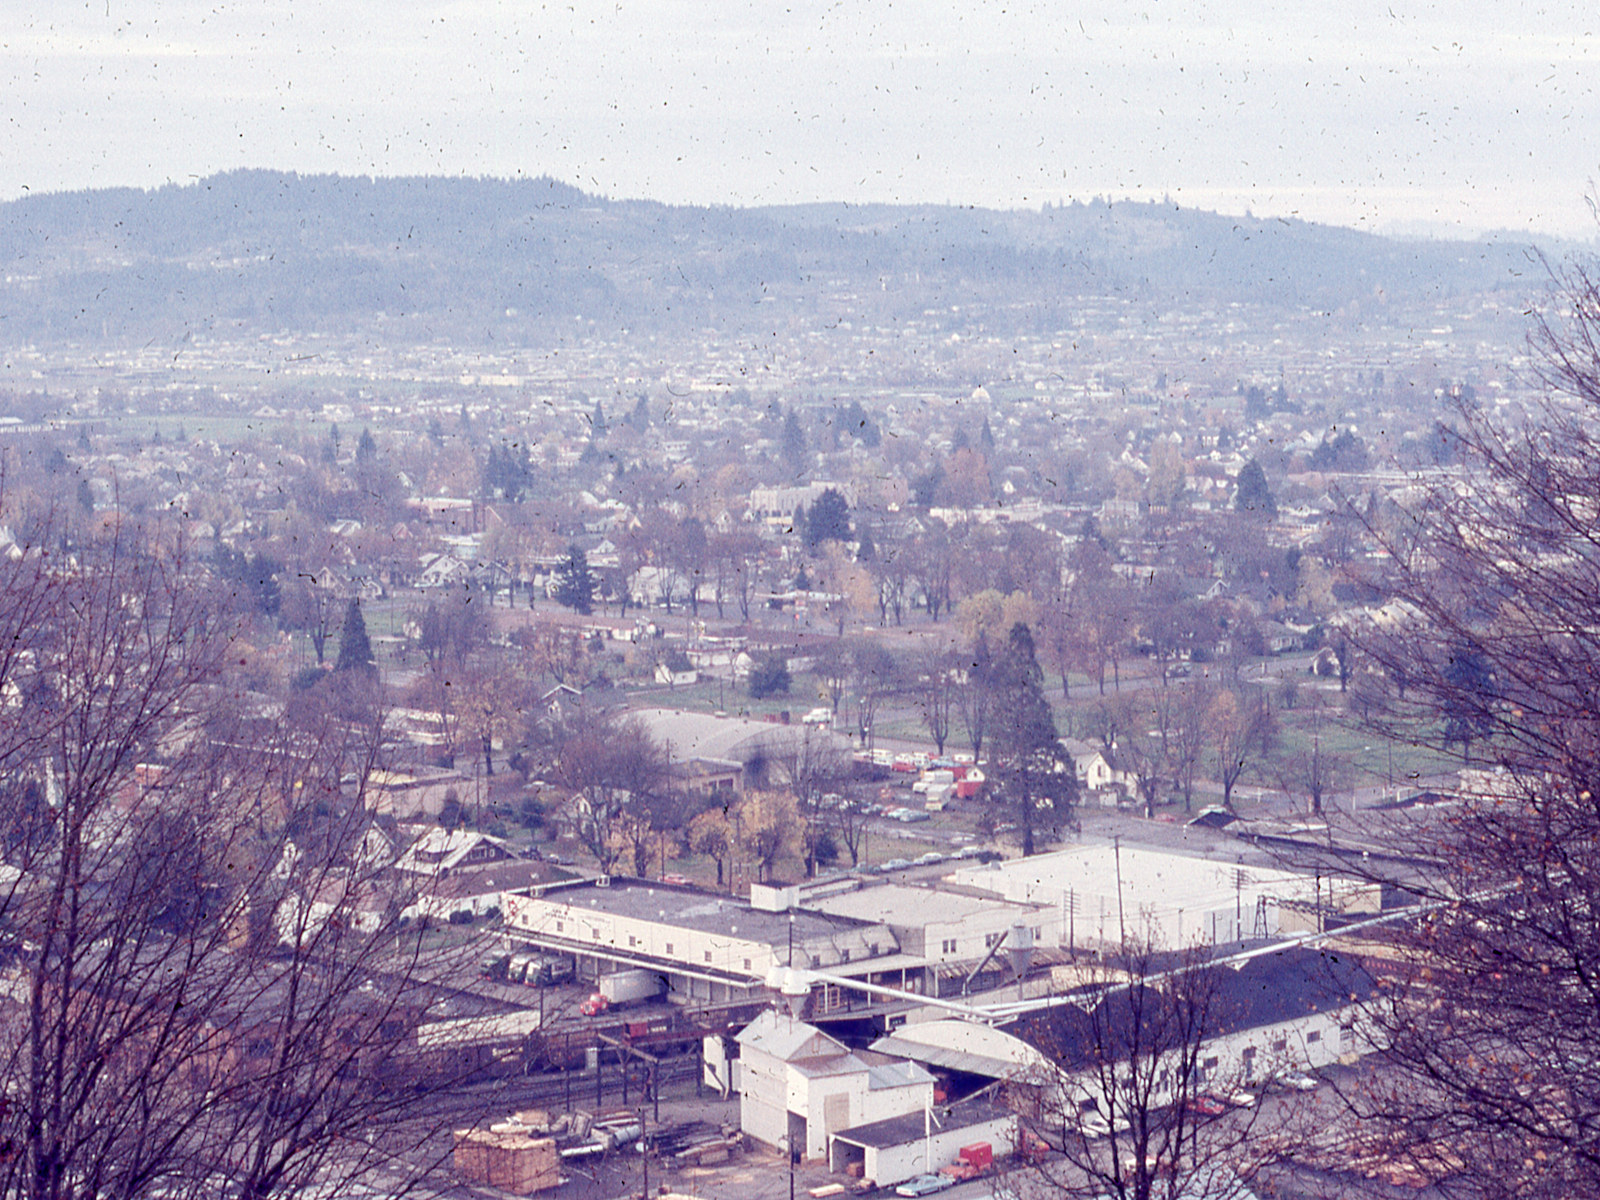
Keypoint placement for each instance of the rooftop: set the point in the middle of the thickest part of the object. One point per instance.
(957, 1045)
(726, 739)
(897, 1131)
(900, 904)
(1141, 878)
(706, 912)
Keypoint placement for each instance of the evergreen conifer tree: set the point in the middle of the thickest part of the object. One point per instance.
(575, 582)
(828, 520)
(355, 648)
(1252, 494)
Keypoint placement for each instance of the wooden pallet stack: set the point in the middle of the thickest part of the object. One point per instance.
(512, 1162)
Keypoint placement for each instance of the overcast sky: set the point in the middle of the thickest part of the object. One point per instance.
(1388, 115)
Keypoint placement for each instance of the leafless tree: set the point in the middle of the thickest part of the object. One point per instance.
(1142, 750)
(815, 767)
(976, 692)
(1187, 735)
(690, 553)
(831, 666)
(1491, 645)
(1236, 736)
(711, 833)
(1061, 629)
(614, 771)
(734, 557)
(934, 691)
(211, 983)
(495, 699)
(1119, 1090)
(309, 605)
(1313, 771)
(1104, 607)
(929, 560)
(874, 676)
(891, 578)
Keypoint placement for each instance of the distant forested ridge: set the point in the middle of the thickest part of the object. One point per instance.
(476, 259)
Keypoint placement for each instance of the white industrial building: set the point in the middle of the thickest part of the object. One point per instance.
(895, 1149)
(779, 504)
(1107, 895)
(711, 948)
(941, 925)
(967, 941)
(798, 1086)
(1291, 1009)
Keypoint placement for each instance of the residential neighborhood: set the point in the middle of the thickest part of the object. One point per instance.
(897, 753)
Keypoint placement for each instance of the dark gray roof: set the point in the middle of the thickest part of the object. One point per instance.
(1273, 988)
(898, 1131)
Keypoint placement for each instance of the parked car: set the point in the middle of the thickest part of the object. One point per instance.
(1092, 1123)
(1298, 1081)
(928, 859)
(894, 864)
(1238, 1098)
(924, 1185)
(1207, 1105)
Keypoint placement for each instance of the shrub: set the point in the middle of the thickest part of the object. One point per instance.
(769, 677)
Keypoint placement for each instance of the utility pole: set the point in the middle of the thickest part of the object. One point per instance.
(644, 1153)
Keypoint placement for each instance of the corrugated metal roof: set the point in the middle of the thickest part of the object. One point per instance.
(957, 1045)
(945, 1059)
(872, 966)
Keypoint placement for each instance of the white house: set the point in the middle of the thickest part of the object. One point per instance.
(442, 570)
(462, 870)
(1094, 769)
(900, 1148)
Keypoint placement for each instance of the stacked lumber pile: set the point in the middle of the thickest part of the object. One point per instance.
(511, 1161)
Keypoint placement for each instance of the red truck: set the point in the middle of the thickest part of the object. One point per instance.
(971, 1162)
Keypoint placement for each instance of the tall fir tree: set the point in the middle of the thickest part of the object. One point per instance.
(575, 582)
(355, 648)
(1031, 772)
(1253, 495)
(793, 444)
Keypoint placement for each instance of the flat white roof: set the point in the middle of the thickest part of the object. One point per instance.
(1096, 877)
(897, 904)
(729, 739)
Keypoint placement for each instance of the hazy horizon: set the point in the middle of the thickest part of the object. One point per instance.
(1381, 117)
